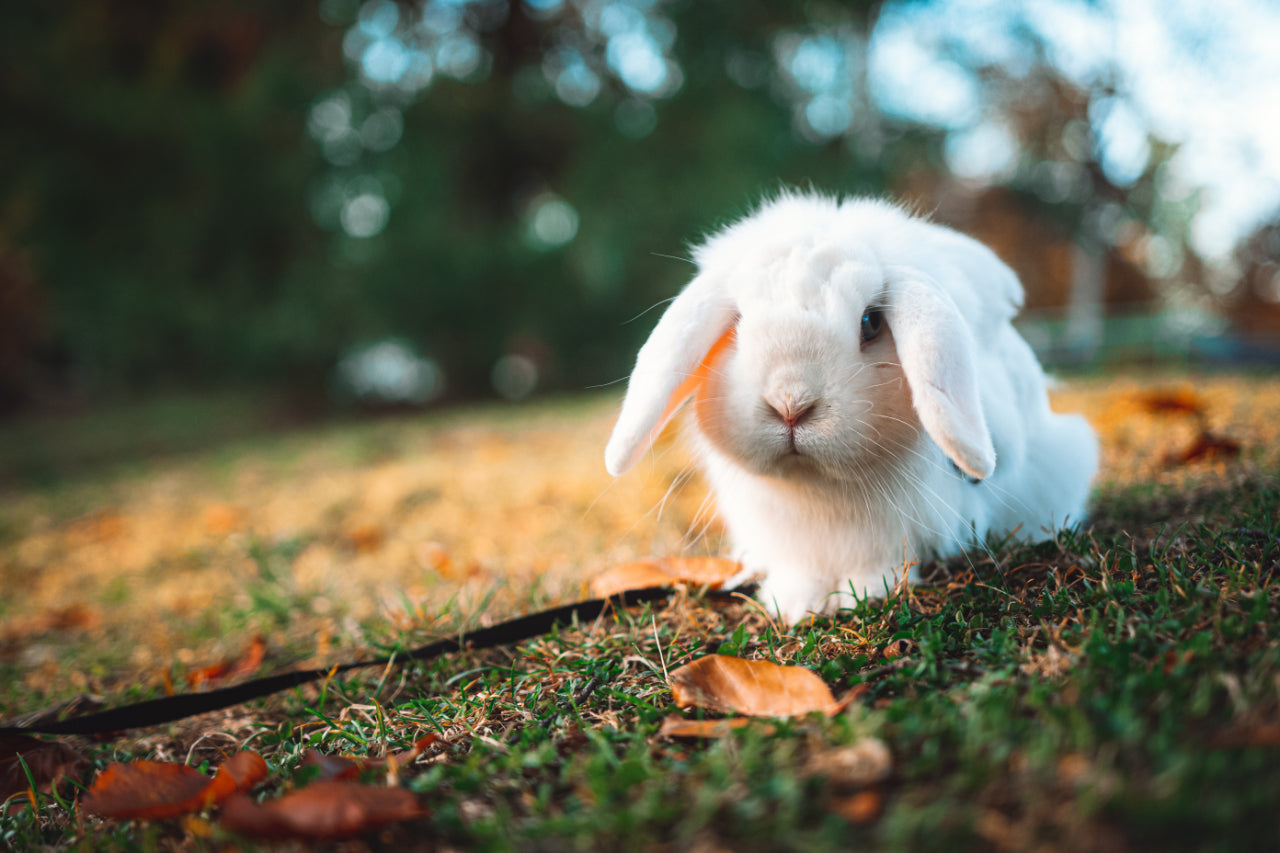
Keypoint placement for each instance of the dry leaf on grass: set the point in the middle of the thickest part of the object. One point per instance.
(72, 617)
(756, 688)
(664, 571)
(1164, 401)
(343, 767)
(1266, 735)
(862, 807)
(51, 764)
(240, 772)
(864, 763)
(321, 811)
(246, 664)
(366, 538)
(675, 726)
(155, 790)
(1206, 445)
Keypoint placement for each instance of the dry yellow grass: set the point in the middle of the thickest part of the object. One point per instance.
(394, 523)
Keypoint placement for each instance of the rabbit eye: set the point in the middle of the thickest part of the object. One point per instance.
(872, 324)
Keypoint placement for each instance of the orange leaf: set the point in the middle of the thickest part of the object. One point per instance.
(756, 688)
(246, 664)
(50, 764)
(675, 726)
(240, 772)
(366, 538)
(665, 571)
(221, 519)
(1172, 402)
(145, 789)
(1207, 445)
(321, 811)
(862, 807)
(155, 790)
(72, 617)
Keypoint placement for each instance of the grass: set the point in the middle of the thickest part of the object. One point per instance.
(1115, 689)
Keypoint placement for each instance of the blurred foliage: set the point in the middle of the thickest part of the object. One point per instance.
(244, 192)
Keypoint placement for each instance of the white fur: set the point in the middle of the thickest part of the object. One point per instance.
(869, 482)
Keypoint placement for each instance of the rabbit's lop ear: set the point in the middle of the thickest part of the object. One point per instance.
(937, 351)
(670, 368)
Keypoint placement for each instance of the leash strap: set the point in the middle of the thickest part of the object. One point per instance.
(167, 709)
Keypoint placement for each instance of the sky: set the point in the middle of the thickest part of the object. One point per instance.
(1201, 73)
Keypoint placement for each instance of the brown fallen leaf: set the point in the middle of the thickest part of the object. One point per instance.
(246, 664)
(344, 767)
(898, 648)
(863, 763)
(675, 726)
(1206, 445)
(221, 519)
(322, 811)
(756, 688)
(145, 789)
(1073, 768)
(664, 571)
(240, 772)
(366, 538)
(862, 807)
(1252, 735)
(72, 617)
(1180, 401)
(51, 765)
(155, 790)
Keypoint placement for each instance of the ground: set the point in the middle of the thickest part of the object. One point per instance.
(1115, 688)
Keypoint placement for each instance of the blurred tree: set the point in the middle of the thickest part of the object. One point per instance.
(1253, 300)
(154, 169)
(250, 191)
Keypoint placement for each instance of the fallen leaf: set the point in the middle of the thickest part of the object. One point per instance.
(105, 525)
(155, 790)
(72, 617)
(1181, 401)
(51, 764)
(145, 789)
(322, 811)
(246, 664)
(240, 772)
(221, 519)
(863, 763)
(1073, 768)
(345, 767)
(1206, 445)
(898, 648)
(665, 571)
(1258, 734)
(756, 688)
(366, 538)
(675, 726)
(862, 807)
(330, 766)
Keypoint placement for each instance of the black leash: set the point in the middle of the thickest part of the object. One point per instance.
(167, 709)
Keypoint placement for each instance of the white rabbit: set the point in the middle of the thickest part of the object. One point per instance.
(862, 400)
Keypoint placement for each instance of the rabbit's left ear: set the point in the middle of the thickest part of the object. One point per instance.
(937, 353)
(671, 366)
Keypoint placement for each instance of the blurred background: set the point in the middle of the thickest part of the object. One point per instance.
(345, 204)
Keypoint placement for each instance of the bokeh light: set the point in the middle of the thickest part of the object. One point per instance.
(551, 222)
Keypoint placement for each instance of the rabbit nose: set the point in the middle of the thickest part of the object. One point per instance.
(790, 411)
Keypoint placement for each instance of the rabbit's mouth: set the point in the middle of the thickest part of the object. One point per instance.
(792, 462)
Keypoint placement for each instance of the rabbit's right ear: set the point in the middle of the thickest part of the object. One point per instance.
(676, 360)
